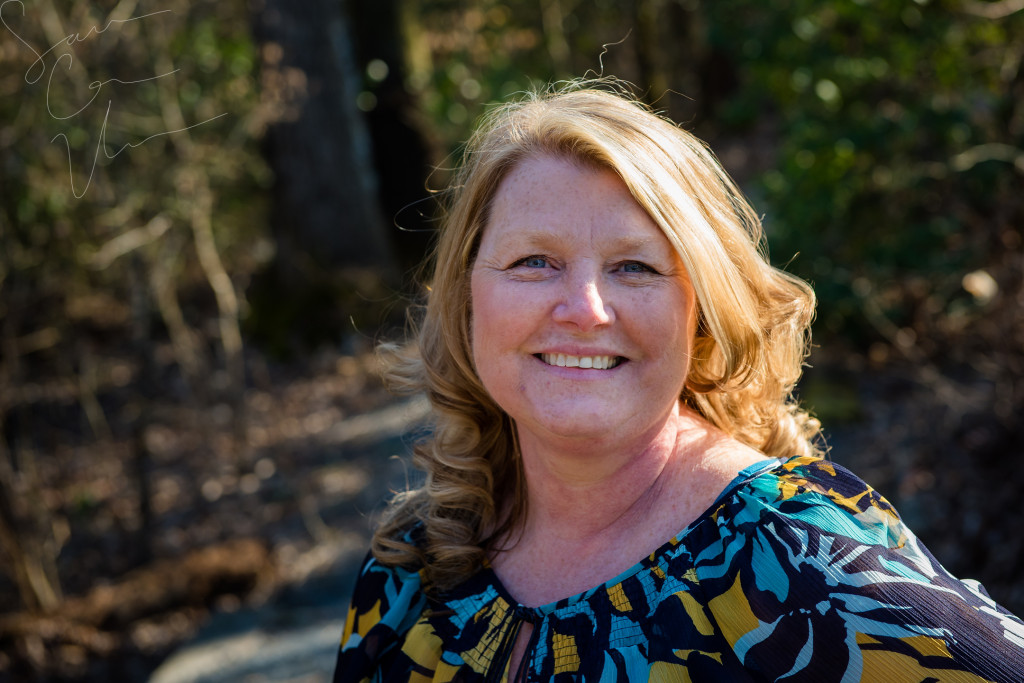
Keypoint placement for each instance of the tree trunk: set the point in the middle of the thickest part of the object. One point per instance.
(325, 191)
(404, 151)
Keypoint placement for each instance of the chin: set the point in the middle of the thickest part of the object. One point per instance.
(590, 425)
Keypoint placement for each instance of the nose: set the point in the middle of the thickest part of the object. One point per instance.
(583, 305)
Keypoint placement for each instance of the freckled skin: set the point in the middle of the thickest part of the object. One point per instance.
(570, 262)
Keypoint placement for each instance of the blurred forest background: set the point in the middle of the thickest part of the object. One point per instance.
(210, 211)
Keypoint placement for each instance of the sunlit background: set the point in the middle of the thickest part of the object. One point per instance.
(210, 212)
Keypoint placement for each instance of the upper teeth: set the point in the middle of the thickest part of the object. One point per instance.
(565, 361)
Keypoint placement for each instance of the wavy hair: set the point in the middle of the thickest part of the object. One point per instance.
(753, 320)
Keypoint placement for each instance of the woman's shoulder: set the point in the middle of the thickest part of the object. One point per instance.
(786, 508)
(813, 471)
(804, 551)
(810, 488)
(386, 602)
(792, 501)
(383, 594)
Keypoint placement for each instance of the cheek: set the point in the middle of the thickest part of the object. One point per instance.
(485, 323)
(498, 329)
(672, 335)
(497, 307)
(474, 324)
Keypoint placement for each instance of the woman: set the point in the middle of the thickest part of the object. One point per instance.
(619, 484)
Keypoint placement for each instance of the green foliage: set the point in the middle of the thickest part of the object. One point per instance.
(462, 56)
(881, 108)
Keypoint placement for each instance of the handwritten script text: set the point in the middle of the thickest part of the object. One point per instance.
(64, 59)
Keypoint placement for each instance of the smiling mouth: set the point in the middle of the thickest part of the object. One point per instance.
(593, 362)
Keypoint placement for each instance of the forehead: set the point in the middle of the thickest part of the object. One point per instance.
(550, 198)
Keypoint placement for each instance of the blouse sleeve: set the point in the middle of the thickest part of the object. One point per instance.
(822, 581)
(386, 602)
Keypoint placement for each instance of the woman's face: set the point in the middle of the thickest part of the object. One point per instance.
(583, 314)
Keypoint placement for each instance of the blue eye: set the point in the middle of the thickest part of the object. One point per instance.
(533, 262)
(636, 267)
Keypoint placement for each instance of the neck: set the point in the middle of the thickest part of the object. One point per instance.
(594, 512)
(585, 494)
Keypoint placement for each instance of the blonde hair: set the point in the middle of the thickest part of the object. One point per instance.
(753, 319)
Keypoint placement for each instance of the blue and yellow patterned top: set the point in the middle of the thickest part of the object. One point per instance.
(799, 572)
